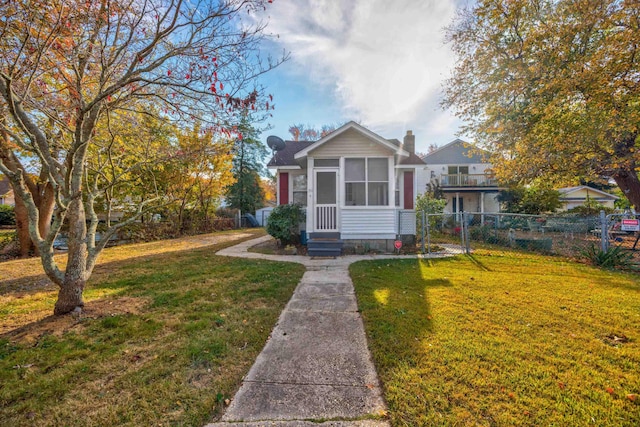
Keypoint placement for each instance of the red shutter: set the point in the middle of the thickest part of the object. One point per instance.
(283, 191)
(408, 190)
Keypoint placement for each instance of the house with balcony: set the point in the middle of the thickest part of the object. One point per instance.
(465, 177)
(353, 184)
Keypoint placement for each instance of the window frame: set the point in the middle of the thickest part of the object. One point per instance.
(366, 183)
(294, 191)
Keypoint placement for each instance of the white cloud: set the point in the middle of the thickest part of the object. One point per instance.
(383, 60)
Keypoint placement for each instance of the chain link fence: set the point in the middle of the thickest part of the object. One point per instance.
(566, 235)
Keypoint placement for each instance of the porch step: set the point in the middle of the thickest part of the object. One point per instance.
(325, 235)
(324, 247)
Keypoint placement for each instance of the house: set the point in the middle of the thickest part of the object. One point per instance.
(353, 183)
(572, 197)
(6, 192)
(465, 177)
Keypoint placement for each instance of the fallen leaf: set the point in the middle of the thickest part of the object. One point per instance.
(632, 397)
(610, 390)
(561, 385)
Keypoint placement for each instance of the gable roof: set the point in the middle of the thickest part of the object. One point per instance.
(565, 193)
(457, 152)
(289, 155)
(285, 157)
(358, 128)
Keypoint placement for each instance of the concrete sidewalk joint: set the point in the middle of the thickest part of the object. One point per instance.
(316, 365)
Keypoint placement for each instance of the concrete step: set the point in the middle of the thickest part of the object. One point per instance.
(324, 247)
(324, 235)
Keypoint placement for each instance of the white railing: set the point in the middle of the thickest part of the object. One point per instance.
(467, 180)
(326, 217)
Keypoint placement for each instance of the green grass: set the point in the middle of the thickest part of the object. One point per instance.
(167, 339)
(503, 340)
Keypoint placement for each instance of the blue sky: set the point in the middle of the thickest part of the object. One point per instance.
(378, 62)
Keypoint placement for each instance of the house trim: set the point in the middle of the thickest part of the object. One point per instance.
(283, 188)
(285, 168)
(351, 125)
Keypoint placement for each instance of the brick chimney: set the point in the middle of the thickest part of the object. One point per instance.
(409, 142)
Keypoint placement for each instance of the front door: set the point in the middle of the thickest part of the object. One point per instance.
(326, 201)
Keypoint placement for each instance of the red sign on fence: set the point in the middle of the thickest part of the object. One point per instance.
(630, 225)
(397, 244)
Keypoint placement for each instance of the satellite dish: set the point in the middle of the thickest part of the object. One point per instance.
(275, 143)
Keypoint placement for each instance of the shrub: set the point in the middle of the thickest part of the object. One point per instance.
(7, 215)
(533, 199)
(430, 204)
(616, 257)
(284, 223)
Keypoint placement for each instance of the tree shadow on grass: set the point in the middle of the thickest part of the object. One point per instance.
(395, 303)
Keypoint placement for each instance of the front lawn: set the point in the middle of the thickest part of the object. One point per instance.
(165, 340)
(503, 340)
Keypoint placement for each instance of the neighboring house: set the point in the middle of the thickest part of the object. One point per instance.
(6, 192)
(572, 197)
(353, 183)
(464, 176)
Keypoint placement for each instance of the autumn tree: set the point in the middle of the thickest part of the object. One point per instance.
(246, 193)
(130, 160)
(269, 189)
(302, 132)
(66, 64)
(199, 175)
(551, 87)
(40, 189)
(531, 199)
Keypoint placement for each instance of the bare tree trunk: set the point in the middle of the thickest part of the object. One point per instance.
(44, 197)
(42, 193)
(75, 276)
(46, 205)
(629, 183)
(22, 229)
(69, 297)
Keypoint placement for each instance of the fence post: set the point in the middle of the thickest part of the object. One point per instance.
(465, 219)
(604, 231)
(428, 235)
(461, 229)
(422, 229)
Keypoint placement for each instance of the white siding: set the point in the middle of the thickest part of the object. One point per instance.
(351, 144)
(422, 179)
(371, 223)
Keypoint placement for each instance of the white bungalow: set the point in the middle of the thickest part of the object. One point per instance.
(354, 185)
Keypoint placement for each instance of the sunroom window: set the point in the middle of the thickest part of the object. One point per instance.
(367, 182)
(300, 189)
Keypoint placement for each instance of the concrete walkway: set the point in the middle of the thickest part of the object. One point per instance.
(316, 365)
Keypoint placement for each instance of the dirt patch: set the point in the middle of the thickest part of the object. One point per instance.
(59, 325)
(615, 339)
